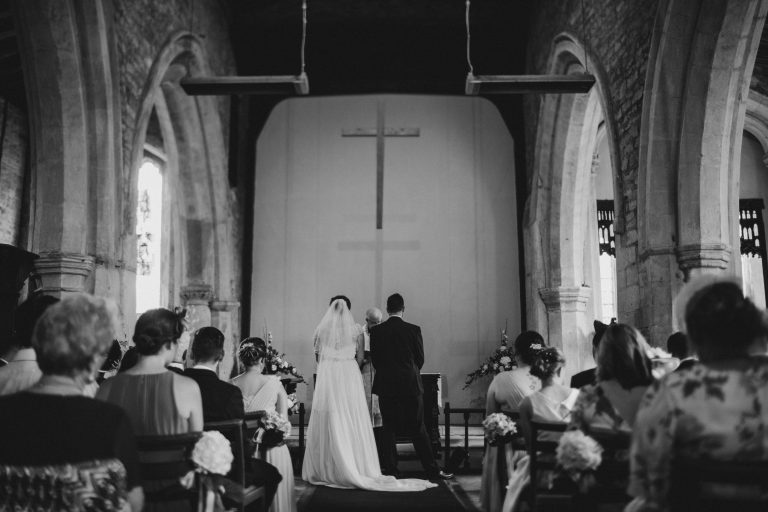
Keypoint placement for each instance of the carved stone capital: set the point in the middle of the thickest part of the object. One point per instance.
(63, 272)
(703, 256)
(196, 294)
(225, 305)
(565, 298)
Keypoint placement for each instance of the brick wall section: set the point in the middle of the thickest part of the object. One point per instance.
(143, 26)
(12, 167)
(617, 34)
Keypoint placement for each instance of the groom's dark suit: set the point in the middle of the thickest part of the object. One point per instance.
(397, 353)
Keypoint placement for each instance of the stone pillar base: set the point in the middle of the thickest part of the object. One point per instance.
(222, 313)
(568, 327)
(60, 273)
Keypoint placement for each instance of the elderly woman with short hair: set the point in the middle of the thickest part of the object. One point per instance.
(52, 425)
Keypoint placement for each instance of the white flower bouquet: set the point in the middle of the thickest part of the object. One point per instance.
(272, 431)
(213, 453)
(212, 457)
(499, 429)
(577, 453)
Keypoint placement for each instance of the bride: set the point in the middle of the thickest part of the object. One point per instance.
(341, 451)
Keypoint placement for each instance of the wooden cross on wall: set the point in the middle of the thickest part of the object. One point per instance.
(380, 132)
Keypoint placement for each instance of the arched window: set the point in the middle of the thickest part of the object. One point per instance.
(149, 221)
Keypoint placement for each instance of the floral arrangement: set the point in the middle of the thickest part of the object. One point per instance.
(275, 362)
(578, 454)
(501, 360)
(273, 429)
(293, 404)
(499, 429)
(212, 457)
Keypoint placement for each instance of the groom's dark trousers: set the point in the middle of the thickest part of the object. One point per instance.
(397, 353)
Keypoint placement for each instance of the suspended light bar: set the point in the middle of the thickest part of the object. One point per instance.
(285, 85)
(521, 84)
(275, 84)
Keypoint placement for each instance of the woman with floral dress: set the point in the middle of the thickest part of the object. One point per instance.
(717, 409)
(507, 390)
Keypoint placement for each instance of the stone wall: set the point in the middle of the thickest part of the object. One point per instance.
(13, 163)
(617, 35)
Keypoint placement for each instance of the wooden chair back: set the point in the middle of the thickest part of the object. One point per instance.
(710, 485)
(233, 431)
(542, 448)
(613, 474)
(163, 460)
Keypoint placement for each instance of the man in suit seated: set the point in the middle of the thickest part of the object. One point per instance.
(224, 401)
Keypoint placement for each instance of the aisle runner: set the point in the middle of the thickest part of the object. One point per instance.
(436, 499)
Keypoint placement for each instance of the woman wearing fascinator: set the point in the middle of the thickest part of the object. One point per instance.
(266, 393)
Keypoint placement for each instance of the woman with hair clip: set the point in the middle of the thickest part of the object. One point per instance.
(266, 393)
(158, 401)
(551, 404)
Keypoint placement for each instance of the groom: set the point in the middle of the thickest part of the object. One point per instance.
(397, 353)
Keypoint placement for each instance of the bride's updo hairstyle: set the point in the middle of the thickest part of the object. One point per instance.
(158, 328)
(527, 345)
(252, 351)
(547, 363)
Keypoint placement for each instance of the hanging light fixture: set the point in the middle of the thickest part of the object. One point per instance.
(270, 84)
(521, 84)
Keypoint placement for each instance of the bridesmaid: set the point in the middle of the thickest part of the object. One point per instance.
(266, 393)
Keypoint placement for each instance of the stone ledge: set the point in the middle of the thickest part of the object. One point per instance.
(565, 298)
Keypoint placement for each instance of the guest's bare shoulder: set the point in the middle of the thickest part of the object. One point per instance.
(185, 385)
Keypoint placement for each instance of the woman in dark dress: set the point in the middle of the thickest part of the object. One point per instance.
(63, 450)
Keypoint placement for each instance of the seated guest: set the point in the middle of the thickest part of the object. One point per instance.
(266, 393)
(506, 392)
(588, 377)
(130, 358)
(224, 401)
(221, 400)
(718, 409)
(552, 404)
(158, 402)
(677, 345)
(624, 373)
(53, 424)
(22, 370)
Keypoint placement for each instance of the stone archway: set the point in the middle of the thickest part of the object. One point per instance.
(196, 171)
(690, 140)
(556, 214)
(66, 51)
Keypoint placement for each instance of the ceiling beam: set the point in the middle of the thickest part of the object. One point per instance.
(522, 84)
(288, 85)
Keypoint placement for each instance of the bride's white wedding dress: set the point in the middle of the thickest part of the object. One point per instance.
(341, 450)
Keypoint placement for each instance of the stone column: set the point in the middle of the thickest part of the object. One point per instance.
(568, 326)
(703, 258)
(222, 316)
(196, 299)
(62, 273)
